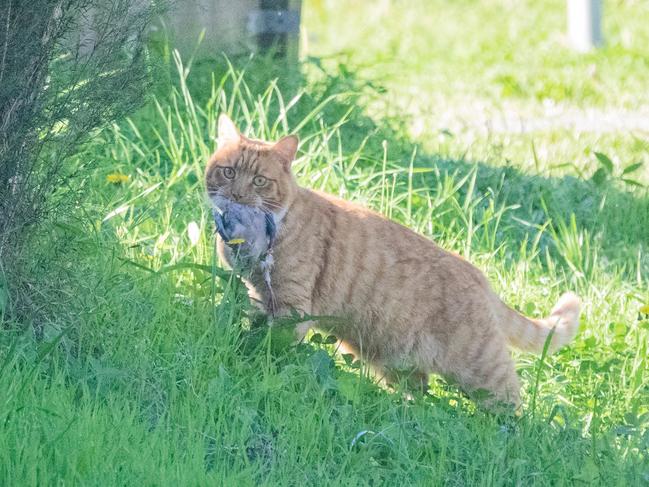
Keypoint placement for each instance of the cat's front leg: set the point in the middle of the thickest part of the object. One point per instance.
(302, 329)
(286, 301)
(290, 316)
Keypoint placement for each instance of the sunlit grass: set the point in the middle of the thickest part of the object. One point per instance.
(496, 80)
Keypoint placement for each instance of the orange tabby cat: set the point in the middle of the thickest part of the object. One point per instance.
(402, 300)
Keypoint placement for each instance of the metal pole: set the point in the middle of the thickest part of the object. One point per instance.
(276, 24)
(585, 24)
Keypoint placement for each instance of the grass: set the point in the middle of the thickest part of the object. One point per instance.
(145, 367)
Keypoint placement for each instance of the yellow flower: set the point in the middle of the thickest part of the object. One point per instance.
(236, 241)
(644, 309)
(117, 178)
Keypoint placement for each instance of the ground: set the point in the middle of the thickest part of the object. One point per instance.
(472, 123)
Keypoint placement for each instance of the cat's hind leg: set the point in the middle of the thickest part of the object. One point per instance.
(490, 368)
(484, 369)
(387, 377)
(411, 379)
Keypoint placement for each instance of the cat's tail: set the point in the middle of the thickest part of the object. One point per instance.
(531, 334)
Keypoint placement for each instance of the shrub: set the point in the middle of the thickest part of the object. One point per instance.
(67, 67)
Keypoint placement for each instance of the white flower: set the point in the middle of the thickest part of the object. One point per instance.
(193, 232)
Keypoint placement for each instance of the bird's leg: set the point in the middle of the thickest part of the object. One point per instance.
(265, 266)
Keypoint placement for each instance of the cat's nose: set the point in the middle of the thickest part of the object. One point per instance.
(236, 196)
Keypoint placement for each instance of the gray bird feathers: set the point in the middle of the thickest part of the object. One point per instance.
(247, 230)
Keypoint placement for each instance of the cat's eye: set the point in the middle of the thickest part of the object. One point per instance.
(259, 181)
(228, 172)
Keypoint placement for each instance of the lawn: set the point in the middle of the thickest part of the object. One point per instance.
(470, 122)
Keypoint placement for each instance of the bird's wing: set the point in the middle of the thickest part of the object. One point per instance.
(271, 228)
(220, 225)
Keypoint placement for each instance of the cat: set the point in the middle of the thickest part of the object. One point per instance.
(402, 301)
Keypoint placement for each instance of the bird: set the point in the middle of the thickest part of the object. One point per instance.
(248, 230)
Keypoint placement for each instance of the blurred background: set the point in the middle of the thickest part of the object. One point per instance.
(498, 77)
(539, 82)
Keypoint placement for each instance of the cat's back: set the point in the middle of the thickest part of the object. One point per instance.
(367, 232)
(349, 258)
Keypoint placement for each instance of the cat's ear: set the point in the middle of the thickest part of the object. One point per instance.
(286, 147)
(227, 131)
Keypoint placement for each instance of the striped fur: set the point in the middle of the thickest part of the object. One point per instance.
(401, 301)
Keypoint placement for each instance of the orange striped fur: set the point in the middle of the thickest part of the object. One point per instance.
(402, 300)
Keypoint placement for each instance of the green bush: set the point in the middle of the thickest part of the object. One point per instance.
(67, 67)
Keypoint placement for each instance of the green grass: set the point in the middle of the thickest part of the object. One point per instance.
(143, 365)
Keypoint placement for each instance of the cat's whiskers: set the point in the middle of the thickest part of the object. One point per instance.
(271, 205)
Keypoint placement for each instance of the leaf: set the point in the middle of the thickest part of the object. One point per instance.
(358, 436)
(217, 271)
(348, 387)
(605, 162)
(632, 168)
(633, 182)
(620, 329)
(117, 211)
(644, 309)
(282, 338)
(600, 176)
(348, 358)
(530, 308)
(322, 366)
(330, 340)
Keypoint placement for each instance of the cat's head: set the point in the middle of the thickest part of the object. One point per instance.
(251, 172)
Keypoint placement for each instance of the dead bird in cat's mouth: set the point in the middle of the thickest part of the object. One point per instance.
(247, 229)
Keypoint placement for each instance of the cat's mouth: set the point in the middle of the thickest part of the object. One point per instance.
(220, 202)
